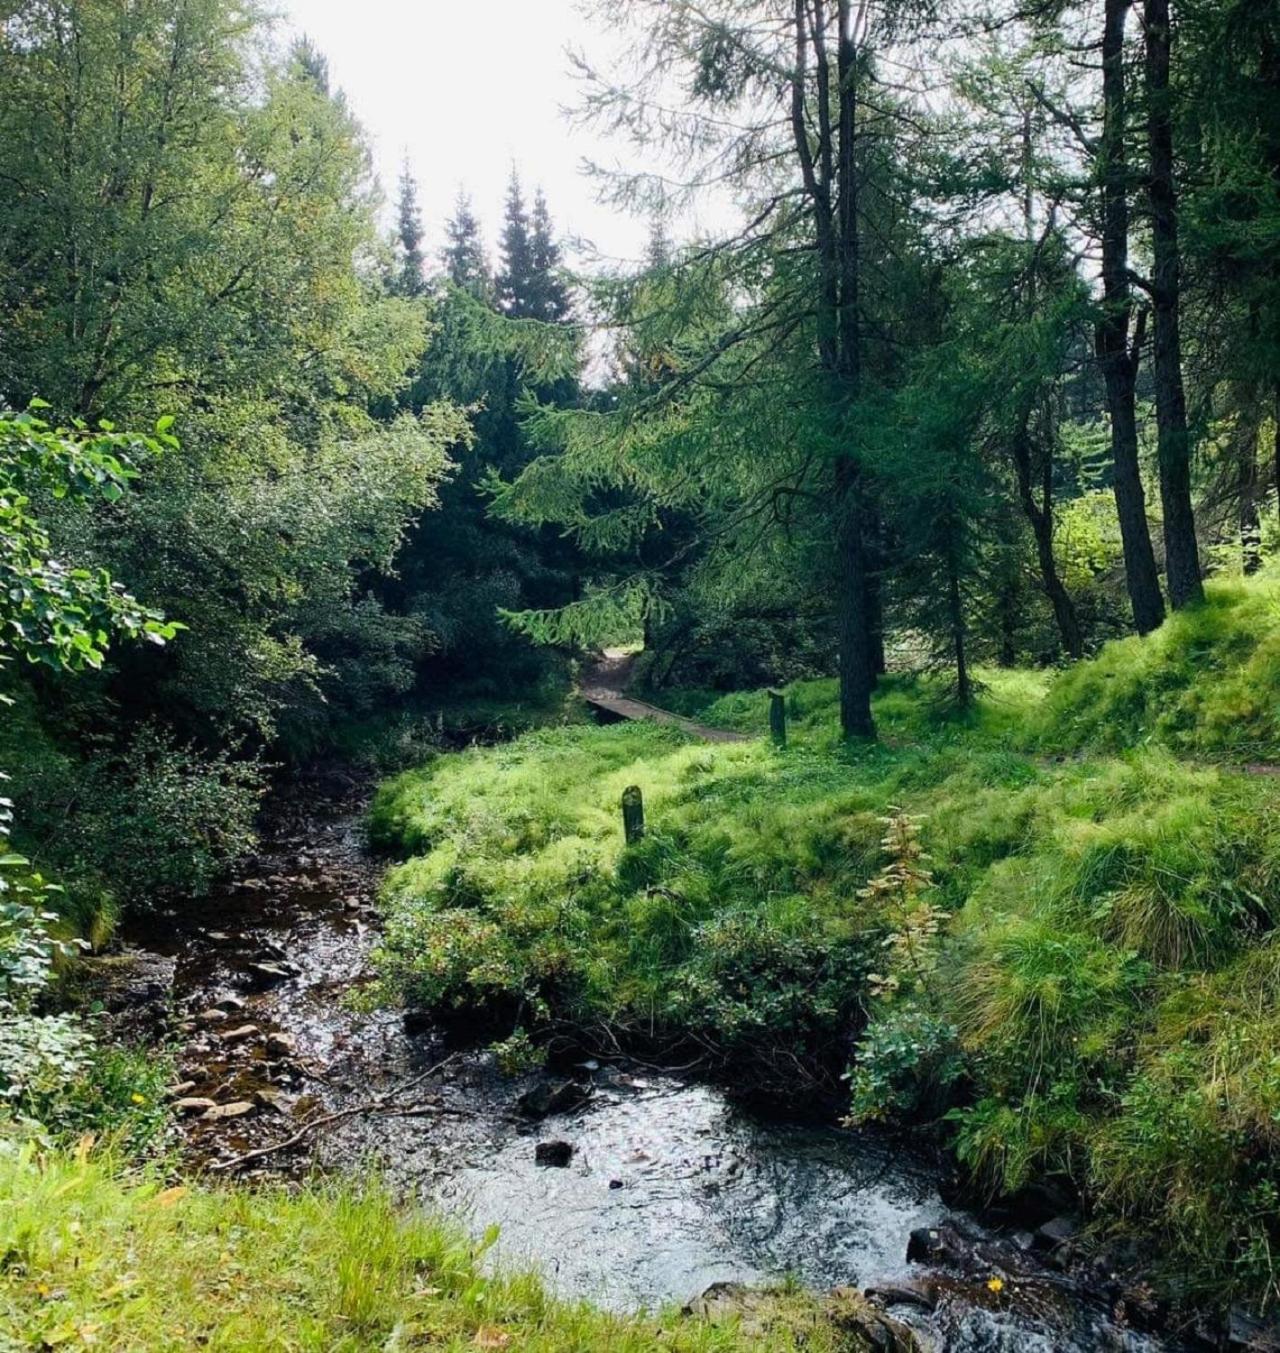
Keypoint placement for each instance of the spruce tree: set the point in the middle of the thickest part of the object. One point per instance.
(463, 256)
(408, 279)
(515, 279)
(550, 299)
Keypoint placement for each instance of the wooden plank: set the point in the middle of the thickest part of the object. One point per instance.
(627, 708)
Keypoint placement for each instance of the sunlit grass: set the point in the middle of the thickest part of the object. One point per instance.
(90, 1259)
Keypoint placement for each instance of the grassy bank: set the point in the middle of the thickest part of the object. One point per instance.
(1062, 941)
(90, 1260)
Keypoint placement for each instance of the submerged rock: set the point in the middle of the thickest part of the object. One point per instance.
(549, 1097)
(557, 1154)
(768, 1317)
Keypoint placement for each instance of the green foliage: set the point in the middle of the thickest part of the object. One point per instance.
(51, 612)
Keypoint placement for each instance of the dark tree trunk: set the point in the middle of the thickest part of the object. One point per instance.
(1111, 335)
(1250, 522)
(853, 622)
(1040, 515)
(1182, 557)
(828, 170)
(955, 610)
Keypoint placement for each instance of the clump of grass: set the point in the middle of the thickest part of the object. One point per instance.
(1205, 683)
(89, 1257)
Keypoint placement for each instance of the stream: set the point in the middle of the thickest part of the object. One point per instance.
(669, 1186)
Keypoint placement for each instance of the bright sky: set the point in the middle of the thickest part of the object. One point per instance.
(464, 90)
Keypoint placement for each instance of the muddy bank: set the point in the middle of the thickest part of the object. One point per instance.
(619, 1182)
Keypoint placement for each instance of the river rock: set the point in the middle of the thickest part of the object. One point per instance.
(547, 1098)
(214, 1016)
(946, 1243)
(761, 1318)
(275, 1100)
(190, 1105)
(280, 1044)
(236, 1109)
(134, 989)
(241, 1034)
(1249, 1333)
(1056, 1232)
(918, 1292)
(555, 1154)
(260, 976)
(179, 1090)
(231, 1004)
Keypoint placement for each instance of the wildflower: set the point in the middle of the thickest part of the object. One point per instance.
(995, 1285)
(136, 1098)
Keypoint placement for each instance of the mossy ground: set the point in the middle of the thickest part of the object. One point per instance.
(91, 1259)
(1106, 1000)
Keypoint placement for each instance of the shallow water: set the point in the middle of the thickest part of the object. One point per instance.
(670, 1187)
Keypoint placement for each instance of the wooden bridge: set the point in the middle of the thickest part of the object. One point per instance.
(603, 686)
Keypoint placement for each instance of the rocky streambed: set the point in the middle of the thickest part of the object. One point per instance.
(621, 1183)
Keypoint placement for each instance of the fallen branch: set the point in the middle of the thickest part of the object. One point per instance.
(378, 1104)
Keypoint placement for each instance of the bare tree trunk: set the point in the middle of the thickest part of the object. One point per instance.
(1040, 515)
(1182, 556)
(1111, 333)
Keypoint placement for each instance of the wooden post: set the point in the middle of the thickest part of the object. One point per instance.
(632, 814)
(778, 718)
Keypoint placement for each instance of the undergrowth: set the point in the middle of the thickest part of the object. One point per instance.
(1105, 997)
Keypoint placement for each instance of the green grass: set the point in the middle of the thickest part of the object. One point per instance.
(90, 1258)
(1205, 684)
(1106, 998)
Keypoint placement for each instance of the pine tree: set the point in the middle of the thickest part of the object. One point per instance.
(463, 256)
(515, 284)
(408, 279)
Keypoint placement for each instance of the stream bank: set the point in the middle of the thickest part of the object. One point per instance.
(620, 1183)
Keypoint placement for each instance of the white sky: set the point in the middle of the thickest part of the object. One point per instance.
(465, 89)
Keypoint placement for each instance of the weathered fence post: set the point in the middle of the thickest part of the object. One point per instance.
(632, 814)
(778, 718)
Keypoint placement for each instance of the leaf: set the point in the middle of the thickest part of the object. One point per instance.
(490, 1336)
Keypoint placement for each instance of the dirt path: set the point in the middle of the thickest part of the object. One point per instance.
(604, 684)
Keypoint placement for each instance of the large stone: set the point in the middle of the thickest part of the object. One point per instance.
(191, 1105)
(769, 1322)
(241, 1034)
(261, 976)
(236, 1109)
(280, 1044)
